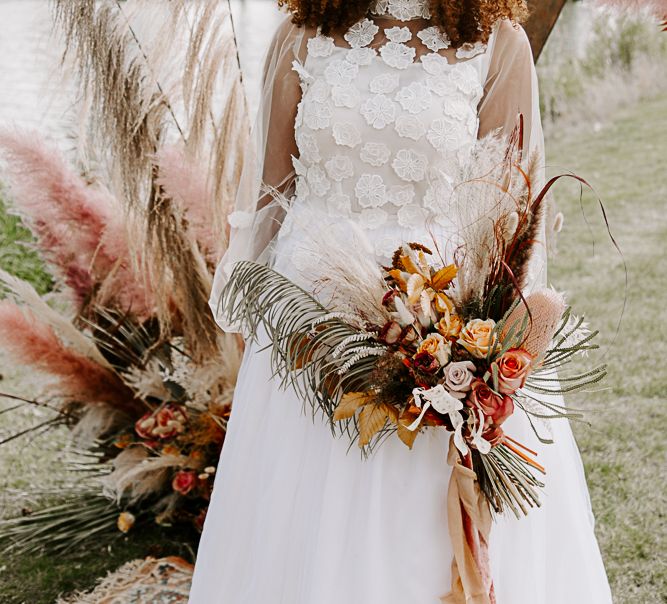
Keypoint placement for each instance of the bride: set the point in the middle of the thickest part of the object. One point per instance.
(365, 104)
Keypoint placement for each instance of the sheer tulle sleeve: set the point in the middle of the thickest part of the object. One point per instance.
(510, 90)
(268, 175)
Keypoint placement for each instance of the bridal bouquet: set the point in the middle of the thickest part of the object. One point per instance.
(425, 343)
(431, 343)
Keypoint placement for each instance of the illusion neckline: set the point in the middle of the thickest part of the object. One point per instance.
(402, 10)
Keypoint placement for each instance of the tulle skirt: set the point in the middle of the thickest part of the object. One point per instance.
(297, 516)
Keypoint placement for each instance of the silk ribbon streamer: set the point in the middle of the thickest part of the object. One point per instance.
(469, 519)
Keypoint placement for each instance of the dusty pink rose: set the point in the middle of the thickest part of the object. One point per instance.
(184, 481)
(459, 377)
(513, 369)
(496, 407)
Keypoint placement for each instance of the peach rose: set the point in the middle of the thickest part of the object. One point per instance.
(513, 369)
(450, 325)
(439, 348)
(495, 407)
(478, 338)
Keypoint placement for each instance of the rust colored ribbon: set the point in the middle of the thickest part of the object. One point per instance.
(469, 519)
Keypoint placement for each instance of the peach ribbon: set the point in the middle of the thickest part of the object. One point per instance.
(469, 519)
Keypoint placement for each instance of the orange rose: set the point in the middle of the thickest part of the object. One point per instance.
(513, 369)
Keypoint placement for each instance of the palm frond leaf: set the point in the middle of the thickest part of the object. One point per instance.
(313, 350)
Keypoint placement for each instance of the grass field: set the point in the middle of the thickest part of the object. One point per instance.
(623, 450)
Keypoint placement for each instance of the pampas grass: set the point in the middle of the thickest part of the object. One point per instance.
(79, 226)
(31, 341)
(61, 324)
(148, 88)
(496, 222)
(185, 182)
(136, 475)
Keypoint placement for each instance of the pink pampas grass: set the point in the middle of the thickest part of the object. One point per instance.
(32, 342)
(79, 227)
(187, 185)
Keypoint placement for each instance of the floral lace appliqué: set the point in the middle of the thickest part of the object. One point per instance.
(409, 126)
(320, 46)
(384, 83)
(468, 51)
(308, 148)
(339, 167)
(317, 115)
(370, 190)
(317, 180)
(465, 78)
(411, 216)
(361, 33)
(379, 110)
(434, 39)
(410, 165)
(414, 98)
(340, 72)
(397, 55)
(375, 154)
(346, 134)
(446, 134)
(398, 34)
(403, 10)
(345, 96)
(361, 56)
(434, 64)
(401, 195)
(339, 204)
(372, 218)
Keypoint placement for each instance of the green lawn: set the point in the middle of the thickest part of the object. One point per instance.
(623, 450)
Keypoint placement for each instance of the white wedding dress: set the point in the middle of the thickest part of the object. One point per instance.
(380, 116)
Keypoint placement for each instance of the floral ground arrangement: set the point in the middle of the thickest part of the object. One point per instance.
(123, 349)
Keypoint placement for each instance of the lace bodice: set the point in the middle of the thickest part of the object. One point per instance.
(384, 121)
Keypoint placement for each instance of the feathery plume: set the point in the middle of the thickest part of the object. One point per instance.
(34, 343)
(185, 182)
(67, 332)
(79, 227)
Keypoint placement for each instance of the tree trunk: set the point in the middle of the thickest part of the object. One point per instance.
(543, 17)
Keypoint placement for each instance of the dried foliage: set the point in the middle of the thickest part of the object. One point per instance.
(154, 93)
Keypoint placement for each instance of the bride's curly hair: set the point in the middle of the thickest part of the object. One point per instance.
(464, 21)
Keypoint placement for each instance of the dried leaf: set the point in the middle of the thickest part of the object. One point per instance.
(349, 405)
(392, 414)
(444, 277)
(371, 420)
(407, 436)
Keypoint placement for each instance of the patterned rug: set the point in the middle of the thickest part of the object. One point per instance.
(149, 581)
